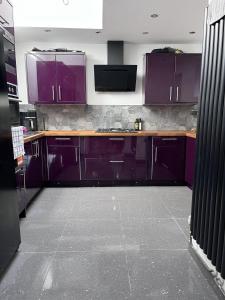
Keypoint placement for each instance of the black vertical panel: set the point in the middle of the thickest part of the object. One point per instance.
(209, 140)
(208, 206)
(204, 72)
(218, 174)
(204, 136)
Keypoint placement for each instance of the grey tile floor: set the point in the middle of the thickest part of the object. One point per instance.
(109, 244)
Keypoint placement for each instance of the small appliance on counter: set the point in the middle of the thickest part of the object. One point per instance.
(29, 120)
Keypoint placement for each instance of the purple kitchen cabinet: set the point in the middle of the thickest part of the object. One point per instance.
(168, 159)
(34, 168)
(21, 190)
(190, 161)
(114, 158)
(187, 78)
(63, 160)
(71, 82)
(172, 78)
(56, 78)
(41, 78)
(159, 78)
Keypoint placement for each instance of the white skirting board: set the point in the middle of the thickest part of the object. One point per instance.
(207, 263)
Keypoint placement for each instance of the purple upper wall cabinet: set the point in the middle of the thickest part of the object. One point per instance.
(172, 78)
(71, 74)
(187, 78)
(41, 78)
(56, 78)
(159, 78)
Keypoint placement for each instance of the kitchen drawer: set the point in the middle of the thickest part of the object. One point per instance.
(115, 170)
(110, 147)
(63, 141)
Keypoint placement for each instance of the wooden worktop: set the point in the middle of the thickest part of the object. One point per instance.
(94, 133)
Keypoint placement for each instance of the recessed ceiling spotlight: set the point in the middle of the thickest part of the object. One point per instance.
(154, 16)
(47, 30)
(98, 32)
(192, 32)
(145, 32)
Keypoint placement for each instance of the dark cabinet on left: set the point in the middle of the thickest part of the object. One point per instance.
(34, 168)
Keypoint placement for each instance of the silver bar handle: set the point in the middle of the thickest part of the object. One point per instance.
(63, 139)
(76, 154)
(53, 92)
(177, 94)
(38, 148)
(171, 93)
(169, 139)
(34, 149)
(60, 95)
(156, 154)
(116, 161)
(116, 139)
(24, 179)
(61, 160)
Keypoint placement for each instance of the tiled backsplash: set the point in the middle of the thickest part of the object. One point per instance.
(96, 116)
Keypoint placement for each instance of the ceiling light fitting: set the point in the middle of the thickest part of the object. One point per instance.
(66, 2)
(192, 32)
(145, 32)
(154, 16)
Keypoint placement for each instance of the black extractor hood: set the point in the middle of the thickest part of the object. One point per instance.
(115, 76)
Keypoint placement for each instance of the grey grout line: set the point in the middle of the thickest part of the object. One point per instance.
(124, 246)
(174, 219)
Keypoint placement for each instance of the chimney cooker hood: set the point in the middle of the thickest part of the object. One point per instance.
(115, 76)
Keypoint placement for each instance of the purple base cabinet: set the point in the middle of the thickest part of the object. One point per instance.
(63, 160)
(190, 161)
(34, 168)
(113, 158)
(168, 159)
(21, 190)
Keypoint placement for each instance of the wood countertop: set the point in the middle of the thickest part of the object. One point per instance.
(94, 133)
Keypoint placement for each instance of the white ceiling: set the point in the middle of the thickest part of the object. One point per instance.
(127, 19)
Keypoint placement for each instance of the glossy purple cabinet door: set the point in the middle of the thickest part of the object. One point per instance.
(71, 81)
(114, 158)
(159, 78)
(190, 161)
(41, 78)
(21, 189)
(34, 168)
(63, 164)
(168, 159)
(187, 78)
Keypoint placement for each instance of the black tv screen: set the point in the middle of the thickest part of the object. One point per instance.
(113, 78)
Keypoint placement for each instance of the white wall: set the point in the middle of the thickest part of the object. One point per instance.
(97, 54)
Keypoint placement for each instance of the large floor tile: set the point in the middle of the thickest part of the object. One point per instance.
(92, 235)
(87, 276)
(167, 275)
(58, 209)
(183, 223)
(25, 276)
(153, 234)
(96, 209)
(143, 208)
(40, 236)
